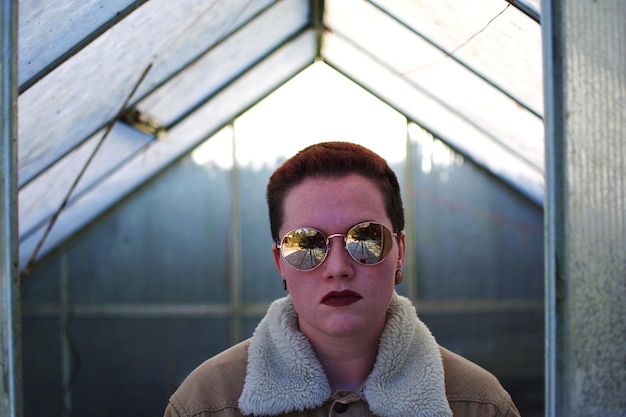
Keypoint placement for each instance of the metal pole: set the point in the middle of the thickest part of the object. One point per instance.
(553, 105)
(10, 340)
(585, 81)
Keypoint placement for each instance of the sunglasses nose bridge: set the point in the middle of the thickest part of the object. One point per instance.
(329, 240)
(343, 245)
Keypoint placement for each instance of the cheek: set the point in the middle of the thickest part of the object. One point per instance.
(299, 287)
(380, 280)
(387, 283)
(302, 295)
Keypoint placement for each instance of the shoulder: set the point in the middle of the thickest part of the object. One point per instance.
(471, 390)
(213, 386)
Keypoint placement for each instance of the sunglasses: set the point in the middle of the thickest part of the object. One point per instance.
(305, 248)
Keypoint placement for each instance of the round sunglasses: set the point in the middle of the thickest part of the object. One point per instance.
(305, 248)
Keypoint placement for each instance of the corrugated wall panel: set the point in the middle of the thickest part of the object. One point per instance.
(585, 69)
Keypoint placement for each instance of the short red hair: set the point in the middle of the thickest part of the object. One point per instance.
(333, 159)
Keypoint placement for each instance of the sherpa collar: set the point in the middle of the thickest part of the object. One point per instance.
(284, 375)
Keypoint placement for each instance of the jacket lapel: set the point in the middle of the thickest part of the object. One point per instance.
(284, 375)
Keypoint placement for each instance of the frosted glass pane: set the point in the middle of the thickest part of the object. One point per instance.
(222, 109)
(289, 120)
(85, 92)
(227, 61)
(42, 197)
(506, 51)
(47, 30)
(435, 116)
(443, 79)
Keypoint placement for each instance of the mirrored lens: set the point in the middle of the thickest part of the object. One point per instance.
(304, 248)
(369, 243)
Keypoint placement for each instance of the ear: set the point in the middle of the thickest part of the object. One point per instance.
(277, 257)
(401, 250)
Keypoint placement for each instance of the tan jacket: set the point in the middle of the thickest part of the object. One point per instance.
(276, 373)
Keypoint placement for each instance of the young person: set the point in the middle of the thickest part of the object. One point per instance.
(342, 342)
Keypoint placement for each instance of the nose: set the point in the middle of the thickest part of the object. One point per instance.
(338, 263)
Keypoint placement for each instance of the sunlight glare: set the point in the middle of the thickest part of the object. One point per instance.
(217, 150)
(317, 105)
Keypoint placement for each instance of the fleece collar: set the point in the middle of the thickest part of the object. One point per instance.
(284, 375)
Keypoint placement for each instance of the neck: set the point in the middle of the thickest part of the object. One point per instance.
(347, 361)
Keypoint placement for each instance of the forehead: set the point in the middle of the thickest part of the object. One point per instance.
(333, 204)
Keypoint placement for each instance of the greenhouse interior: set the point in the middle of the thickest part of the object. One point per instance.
(147, 134)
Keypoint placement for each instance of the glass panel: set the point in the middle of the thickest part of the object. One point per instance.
(85, 92)
(225, 106)
(462, 213)
(438, 118)
(510, 344)
(47, 30)
(507, 51)
(41, 368)
(227, 61)
(166, 235)
(42, 197)
(130, 366)
(352, 115)
(442, 79)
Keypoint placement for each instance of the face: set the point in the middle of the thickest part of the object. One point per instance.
(340, 297)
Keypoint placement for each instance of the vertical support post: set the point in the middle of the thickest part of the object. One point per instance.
(585, 211)
(10, 340)
(64, 337)
(410, 263)
(235, 261)
(553, 114)
(317, 18)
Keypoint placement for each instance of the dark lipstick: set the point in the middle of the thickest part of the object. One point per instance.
(340, 298)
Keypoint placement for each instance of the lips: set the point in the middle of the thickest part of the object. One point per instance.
(340, 298)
